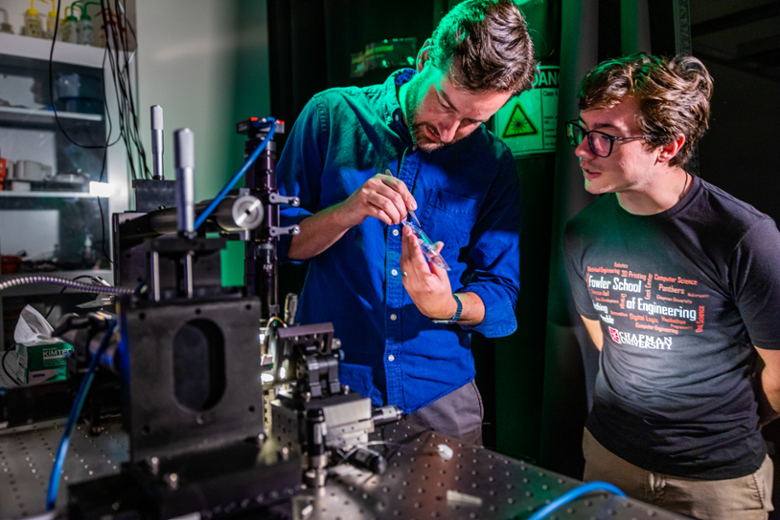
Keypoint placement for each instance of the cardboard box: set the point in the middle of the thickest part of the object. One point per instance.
(40, 363)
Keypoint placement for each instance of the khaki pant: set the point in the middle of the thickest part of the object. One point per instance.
(743, 498)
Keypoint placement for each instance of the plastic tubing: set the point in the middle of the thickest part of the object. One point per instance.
(78, 403)
(229, 186)
(575, 493)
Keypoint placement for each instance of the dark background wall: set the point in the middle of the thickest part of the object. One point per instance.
(738, 153)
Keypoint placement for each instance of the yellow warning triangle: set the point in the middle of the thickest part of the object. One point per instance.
(519, 124)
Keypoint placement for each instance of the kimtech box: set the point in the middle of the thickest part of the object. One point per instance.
(40, 363)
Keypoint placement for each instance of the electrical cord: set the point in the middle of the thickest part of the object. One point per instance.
(46, 316)
(122, 83)
(5, 369)
(24, 280)
(103, 167)
(229, 186)
(116, 74)
(133, 111)
(75, 412)
(575, 493)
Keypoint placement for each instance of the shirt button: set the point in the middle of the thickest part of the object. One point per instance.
(391, 357)
(393, 317)
(394, 272)
(395, 232)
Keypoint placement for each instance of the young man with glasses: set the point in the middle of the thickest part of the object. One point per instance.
(678, 284)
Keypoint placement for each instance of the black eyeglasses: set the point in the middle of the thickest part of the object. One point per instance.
(600, 143)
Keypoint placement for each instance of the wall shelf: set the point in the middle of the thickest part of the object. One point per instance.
(40, 49)
(41, 115)
(55, 194)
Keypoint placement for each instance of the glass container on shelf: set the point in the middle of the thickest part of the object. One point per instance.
(49, 221)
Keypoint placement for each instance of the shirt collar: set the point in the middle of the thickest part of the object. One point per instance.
(394, 116)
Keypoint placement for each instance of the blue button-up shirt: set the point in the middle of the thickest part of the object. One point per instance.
(468, 197)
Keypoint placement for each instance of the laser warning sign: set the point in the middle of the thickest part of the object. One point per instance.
(528, 123)
(518, 124)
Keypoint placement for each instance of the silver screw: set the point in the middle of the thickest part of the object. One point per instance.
(172, 479)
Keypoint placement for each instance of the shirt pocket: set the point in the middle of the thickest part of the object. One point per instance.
(449, 218)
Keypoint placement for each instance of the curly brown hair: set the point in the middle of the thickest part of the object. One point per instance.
(673, 95)
(488, 43)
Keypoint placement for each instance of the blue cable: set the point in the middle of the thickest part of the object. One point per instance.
(78, 403)
(575, 493)
(229, 186)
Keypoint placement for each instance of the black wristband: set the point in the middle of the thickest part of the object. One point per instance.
(456, 316)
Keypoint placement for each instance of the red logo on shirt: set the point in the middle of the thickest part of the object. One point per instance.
(615, 335)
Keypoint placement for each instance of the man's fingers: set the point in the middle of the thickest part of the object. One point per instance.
(407, 246)
(440, 272)
(412, 256)
(381, 215)
(435, 268)
(381, 203)
(384, 194)
(399, 186)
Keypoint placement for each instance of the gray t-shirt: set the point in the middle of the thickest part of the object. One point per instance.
(682, 297)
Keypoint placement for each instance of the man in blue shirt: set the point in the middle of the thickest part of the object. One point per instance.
(404, 322)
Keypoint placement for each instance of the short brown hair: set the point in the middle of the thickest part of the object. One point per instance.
(673, 95)
(488, 43)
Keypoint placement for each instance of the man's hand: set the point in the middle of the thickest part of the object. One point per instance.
(382, 196)
(427, 283)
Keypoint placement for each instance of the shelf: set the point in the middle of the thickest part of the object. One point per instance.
(38, 48)
(51, 194)
(41, 115)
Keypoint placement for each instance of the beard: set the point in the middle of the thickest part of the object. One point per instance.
(411, 108)
(421, 140)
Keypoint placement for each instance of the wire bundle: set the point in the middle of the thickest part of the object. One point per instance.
(117, 51)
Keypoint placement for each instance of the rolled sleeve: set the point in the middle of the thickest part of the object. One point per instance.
(289, 216)
(300, 169)
(494, 259)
